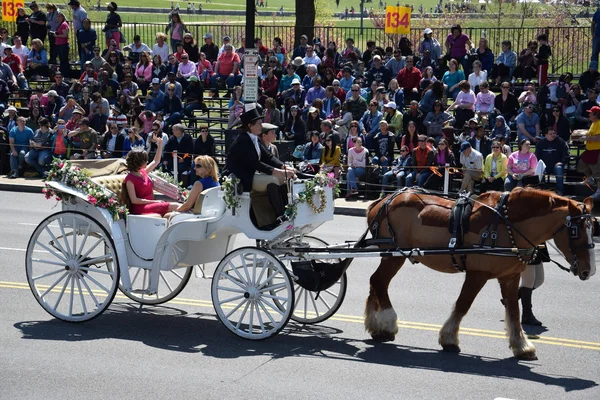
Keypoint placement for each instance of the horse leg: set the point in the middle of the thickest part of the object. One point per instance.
(517, 341)
(380, 317)
(474, 281)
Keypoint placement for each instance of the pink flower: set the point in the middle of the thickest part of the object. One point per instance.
(330, 175)
(111, 201)
(92, 199)
(61, 165)
(84, 183)
(57, 198)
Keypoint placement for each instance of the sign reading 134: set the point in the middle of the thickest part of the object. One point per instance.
(397, 20)
(9, 9)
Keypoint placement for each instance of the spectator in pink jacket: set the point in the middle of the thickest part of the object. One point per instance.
(143, 72)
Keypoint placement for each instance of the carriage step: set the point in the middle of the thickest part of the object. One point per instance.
(143, 291)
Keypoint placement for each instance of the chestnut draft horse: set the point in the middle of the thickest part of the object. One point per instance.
(420, 220)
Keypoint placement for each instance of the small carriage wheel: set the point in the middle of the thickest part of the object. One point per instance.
(72, 266)
(242, 293)
(314, 307)
(170, 284)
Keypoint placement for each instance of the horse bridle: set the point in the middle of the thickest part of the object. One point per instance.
(575, 234)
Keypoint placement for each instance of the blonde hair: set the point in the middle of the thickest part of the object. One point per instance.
(162, 35)
(210, 165)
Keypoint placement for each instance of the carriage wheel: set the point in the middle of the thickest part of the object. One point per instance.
(314, 307)
(170, 284)
(242, 293)
(72, 266)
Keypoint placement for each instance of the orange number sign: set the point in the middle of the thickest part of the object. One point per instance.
(397, 20)
(9, 9)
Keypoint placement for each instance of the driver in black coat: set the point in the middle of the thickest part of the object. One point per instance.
(255, 166)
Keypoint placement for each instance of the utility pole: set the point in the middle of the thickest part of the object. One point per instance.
(250, 23)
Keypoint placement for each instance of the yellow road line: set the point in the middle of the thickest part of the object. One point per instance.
(579, 344)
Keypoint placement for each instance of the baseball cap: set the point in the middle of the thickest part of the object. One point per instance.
(11, 108)
(464, 146)
(208, 35)
(391, 104)
(156, 81)
(304, 37)
(427, 31)
(226, 39)
(52, 93)
(193, 78)
(295, 81)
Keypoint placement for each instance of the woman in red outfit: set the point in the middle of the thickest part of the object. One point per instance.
(138, 188)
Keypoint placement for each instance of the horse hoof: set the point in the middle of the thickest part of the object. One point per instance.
(527, 356)
(383, 337)
(451, 348)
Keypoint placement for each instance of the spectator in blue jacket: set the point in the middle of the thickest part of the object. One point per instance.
(19, 140)
(86, 39)
(155, 98)
(369, 123)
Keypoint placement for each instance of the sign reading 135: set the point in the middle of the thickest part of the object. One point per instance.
(9, 9)
(397, 20)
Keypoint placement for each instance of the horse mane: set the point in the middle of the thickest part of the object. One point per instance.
(525, 203)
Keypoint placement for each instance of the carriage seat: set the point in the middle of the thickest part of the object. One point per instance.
(208, 204)
(114, 183)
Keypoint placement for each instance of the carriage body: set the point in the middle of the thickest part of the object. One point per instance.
(142, 255)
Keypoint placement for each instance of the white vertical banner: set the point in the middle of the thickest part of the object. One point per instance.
(251, 77)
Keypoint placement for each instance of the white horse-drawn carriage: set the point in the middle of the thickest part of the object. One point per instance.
(78, 258)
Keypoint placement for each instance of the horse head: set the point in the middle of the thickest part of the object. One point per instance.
(574, 239)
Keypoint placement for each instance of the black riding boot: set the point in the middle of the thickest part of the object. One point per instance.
(275, 198)
(284, 194)
(528, 318)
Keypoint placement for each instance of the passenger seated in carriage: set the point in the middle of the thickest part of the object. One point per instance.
(258, 170)
(137, 192)
(208, 171)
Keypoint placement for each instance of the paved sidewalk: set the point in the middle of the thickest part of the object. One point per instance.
(353, 207)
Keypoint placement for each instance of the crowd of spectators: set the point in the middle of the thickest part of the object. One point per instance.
(448, 102)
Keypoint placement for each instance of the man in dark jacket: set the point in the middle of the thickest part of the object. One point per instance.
(210, 48)
(384, 147)
(554, 152)
(358, 105)
(112, 143)
(481, 142)
(183, 143)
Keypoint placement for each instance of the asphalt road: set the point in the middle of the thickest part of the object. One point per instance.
(181, 350)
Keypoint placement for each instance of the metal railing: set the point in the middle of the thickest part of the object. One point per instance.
(571, 45)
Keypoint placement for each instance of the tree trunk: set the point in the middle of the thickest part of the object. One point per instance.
(305, 20)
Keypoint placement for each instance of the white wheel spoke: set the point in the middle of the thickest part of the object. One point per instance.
(62, 292)
(74, 237)
(262, 271)
(269, 296)
(165, 281)
(331, 293)
(305, 302)
(54, 284)
(279, 286)
(271, 306)
(97, 283)
(58, 271)
(62, 230)
(48, 262)
(81, 295)
(239, 283)
(135, 277)
(104, 258)
(251, 323)
(49, 250)
(312, 299)
(89, 291)
(176, 274)
(144, 286)
(235, 269)
(254, 270)
(260, 321)
(55, 241)
(84, 256)
(234, 290)
(71, 294)
(229, 300)
(268, 314)
(324, 302)
(298, 298)
(245, 268)
(85, 236)
(236, 308)
(96, 270)
(237, 326)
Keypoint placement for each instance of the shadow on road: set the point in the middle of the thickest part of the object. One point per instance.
(172, 329)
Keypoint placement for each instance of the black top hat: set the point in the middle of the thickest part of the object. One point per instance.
(252, 112)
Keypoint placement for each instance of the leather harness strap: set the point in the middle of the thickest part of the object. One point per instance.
(494, 224)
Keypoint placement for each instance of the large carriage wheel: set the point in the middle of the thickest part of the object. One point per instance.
(314, 307)
(170, 284)
(72, 266)
(242, 293)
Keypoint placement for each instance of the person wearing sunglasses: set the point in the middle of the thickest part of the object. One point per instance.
(526, 68)
(554, 152)
(528, 123)
(398, 171)
(423, 157)
(582, 114)
(494, 169)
